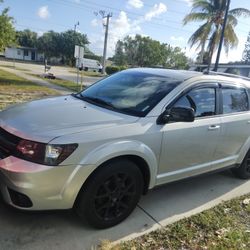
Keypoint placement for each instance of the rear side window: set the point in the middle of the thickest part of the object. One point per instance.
(234, 100)
(202, 100)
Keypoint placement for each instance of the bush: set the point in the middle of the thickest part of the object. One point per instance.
(113, 69)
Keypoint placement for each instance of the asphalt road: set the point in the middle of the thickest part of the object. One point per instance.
(58, 71)
(166, 204)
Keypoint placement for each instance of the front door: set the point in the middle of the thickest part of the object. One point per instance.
(33, 55)
(188, 148)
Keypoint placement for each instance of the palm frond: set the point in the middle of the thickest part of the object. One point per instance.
(200, 35)
(199, 16)
(238, 12)
(230, 39)
(232, 20)
(202, 5)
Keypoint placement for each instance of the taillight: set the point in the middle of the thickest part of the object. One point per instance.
(44, 153)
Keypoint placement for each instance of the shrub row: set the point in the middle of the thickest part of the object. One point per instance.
(113, 69)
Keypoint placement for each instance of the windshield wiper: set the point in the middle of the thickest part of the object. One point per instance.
(95, 100)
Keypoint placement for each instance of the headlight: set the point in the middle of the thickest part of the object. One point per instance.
(47, 154)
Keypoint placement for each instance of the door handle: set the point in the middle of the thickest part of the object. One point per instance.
(214, 127)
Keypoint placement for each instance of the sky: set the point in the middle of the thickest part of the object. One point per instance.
(159, 19)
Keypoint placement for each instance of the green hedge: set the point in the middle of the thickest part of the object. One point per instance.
(113, 69)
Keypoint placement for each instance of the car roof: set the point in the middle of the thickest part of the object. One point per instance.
(179, 75)
(183, 75)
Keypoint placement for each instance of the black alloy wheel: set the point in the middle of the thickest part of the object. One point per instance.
(111, 194)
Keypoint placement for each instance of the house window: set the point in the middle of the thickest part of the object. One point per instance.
(26, 52)
(19, 52)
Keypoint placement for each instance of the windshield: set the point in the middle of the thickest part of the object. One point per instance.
(130, 92)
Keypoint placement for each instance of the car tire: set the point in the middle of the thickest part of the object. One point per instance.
(111, 194)
(243, 171)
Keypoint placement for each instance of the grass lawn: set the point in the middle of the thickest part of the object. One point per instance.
(226, 226)
(14, 89)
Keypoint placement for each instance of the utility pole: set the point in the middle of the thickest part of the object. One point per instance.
(75, 26)
(77, 59)
(222, 37)
(106, 26)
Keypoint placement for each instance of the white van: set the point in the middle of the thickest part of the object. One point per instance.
(89, 65)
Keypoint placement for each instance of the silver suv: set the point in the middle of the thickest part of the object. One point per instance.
(101, 149)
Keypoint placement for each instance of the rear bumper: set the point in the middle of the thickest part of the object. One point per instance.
(45, 187)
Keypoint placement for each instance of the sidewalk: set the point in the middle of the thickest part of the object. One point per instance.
(61, 90)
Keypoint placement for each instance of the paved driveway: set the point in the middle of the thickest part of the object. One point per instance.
(166, 204)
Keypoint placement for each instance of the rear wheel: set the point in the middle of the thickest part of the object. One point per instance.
(243, 171)
(111, 194)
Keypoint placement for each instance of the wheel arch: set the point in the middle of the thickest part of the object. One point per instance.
(136, 151)
(245, 149)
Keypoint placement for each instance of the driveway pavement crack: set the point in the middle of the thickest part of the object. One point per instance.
(149, 215)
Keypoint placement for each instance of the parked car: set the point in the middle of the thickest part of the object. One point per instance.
(99, 150)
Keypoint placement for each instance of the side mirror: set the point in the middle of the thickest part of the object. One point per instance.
(176, 114)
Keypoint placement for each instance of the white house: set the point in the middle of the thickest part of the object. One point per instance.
(23, 53)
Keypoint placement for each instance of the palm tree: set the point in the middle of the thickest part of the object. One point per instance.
(212, 12)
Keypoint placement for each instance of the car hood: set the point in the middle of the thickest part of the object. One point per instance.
(46, 119)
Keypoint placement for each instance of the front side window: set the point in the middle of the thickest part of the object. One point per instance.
(202, 100)
(234, 100)
(130, 92)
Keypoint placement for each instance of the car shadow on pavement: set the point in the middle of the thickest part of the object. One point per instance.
(163, 205)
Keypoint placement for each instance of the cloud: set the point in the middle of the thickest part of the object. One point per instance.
(43, 12)
(94, 22)
(157, 10)
(135, 4)
(121, 27)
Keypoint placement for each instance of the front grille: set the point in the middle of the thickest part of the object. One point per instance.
(8, 143)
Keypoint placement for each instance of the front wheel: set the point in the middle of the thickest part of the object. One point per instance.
(111, 194)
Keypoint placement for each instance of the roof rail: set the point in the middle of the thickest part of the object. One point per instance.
(227, 74)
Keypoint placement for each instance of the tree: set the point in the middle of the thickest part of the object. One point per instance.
(50, 44)
(212, 13)
(119, 57)
(7, 31)
(145, 52)
(62, 45)
(69, 39)
(26, 38)
(246, 52)
(175, 58)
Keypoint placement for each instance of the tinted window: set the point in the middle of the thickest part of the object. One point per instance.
(234, 100)
(201, 100)
(130, 92)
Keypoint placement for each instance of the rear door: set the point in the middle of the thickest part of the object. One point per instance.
(235, 122)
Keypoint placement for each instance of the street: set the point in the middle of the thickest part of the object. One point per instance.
(58, 71)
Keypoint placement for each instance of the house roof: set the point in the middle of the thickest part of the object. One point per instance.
(22, 47)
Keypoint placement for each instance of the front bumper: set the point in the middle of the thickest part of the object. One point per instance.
(46, 187)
